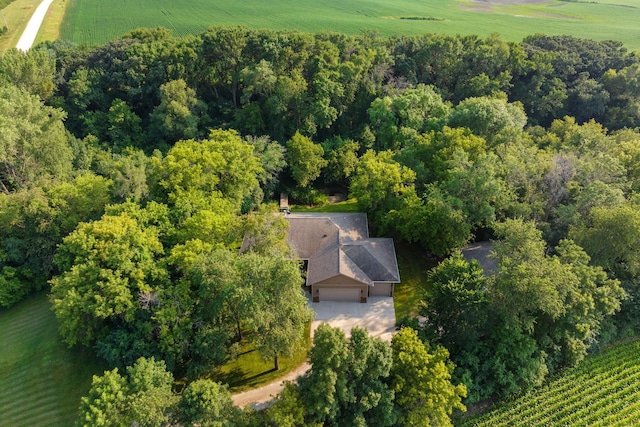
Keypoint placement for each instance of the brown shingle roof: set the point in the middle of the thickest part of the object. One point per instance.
(310, 236)
(339, 244)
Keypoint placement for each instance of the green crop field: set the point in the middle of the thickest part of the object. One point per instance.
(93, 22)
(41, 381)
(604, 390)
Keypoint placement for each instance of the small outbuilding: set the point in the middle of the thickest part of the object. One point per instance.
(284, 202)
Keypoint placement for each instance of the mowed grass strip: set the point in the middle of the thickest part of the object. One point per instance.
(50, 28)
(41, 380)
(350, 205)
(16, 14)
(96, 22)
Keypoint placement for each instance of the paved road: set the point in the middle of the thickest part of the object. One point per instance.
(378, 316)
(30, 33)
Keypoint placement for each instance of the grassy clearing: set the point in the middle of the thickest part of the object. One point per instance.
(94, 22)
(249, 371)
(41, 380)
(413, 266)
(17, 14)
(604, 390)
(350, 205)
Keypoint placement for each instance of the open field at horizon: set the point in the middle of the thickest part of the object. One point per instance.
(94, 22)
(41, 380)
(603, 390)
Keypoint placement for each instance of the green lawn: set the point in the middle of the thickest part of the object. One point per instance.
(94, 22)
(413, 266)
(16, 15)
(41, 380)
(350, 205)
(249, 371)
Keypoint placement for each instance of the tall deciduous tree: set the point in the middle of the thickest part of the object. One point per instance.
(457, 306)
(304, 159)
(221, 170)
(422, 383)
(108, 265)
(490, 118)
(347, 383)
(559, 300)
(611, 236)
(289, 409)
(143, 397)
(32, 71)
(105, 403)
(397, 119)
(379, 180)
(280, 314)
(208, 404)
(33, 223)
(178, 115)
(33, 143)
(272, 158)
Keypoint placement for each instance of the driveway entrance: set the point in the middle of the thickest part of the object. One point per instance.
(377, 316)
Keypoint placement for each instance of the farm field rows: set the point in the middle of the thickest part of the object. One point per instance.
(93, 22)
(41, 381)
(604, 390)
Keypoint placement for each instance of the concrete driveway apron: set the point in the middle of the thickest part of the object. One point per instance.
(377, 316)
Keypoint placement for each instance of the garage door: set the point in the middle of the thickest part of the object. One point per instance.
(340, 294)
(383, 289)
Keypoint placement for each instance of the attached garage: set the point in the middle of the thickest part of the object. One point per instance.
(381, 289)
(339, 294)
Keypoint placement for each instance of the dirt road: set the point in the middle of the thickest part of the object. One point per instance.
(30, 33)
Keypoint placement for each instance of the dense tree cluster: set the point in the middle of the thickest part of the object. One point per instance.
(130, 172)
(145, 396)
(356, 381)
(536, 313)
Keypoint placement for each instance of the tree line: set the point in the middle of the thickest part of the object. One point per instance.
(358, 380)
(130, 172)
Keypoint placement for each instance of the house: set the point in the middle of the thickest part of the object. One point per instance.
(343, 262)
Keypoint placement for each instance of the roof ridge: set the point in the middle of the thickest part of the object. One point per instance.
(358, 243)
(366, 245)
(353, 263)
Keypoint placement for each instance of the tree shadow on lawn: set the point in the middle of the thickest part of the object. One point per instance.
(238, 377)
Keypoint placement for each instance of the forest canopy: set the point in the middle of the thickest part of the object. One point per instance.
(130, 172)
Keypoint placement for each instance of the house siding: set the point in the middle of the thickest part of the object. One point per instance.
(316, 290)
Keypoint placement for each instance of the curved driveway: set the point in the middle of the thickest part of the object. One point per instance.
(377, 316)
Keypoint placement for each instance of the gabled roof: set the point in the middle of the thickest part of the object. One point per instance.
(339, 245)
(310, 236)
(375, 256)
